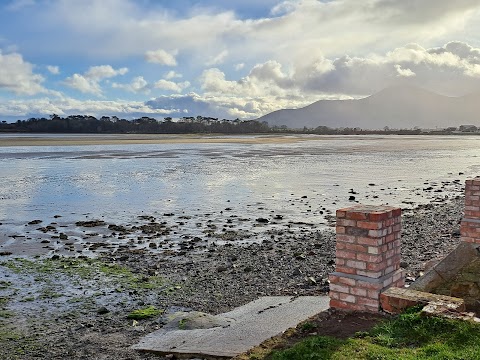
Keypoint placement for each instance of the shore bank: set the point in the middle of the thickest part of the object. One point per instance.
(58, 307)
(127, 139)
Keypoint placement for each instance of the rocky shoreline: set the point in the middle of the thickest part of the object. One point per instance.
(85, 313)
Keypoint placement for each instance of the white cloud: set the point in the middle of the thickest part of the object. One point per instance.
(89, 83)
(83, 84)
(452, 69)
(404, 72)
(170, 85)
(69, 106)
(161, 57)
(284, 7)
(218, 59)
(138, 84)
(55, 70)
(239, 66)
(299, 31)
(17, 76)
(103, 72)
(172, 74)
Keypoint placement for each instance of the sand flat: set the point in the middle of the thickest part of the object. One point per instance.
(118, 139)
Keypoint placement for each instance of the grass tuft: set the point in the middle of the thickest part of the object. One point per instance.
(145, 313)
(410, 336)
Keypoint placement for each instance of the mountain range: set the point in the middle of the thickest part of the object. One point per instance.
(399, 107)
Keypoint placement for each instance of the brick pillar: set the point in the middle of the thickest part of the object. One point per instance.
(470, 226)
(367, 256)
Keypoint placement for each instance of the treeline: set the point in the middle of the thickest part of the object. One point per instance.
(190, 125)
(143, 125)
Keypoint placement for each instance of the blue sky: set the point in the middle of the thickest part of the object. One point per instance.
(228, 59)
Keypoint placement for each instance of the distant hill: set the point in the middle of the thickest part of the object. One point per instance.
(400, 107)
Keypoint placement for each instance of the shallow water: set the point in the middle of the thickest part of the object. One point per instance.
(119, 182)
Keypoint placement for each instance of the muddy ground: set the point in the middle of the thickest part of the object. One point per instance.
(68, 290)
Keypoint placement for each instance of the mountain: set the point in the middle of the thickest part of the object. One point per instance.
(399, 107)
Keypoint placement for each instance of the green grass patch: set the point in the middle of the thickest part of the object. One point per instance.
(87, 269)
(17, 345)
(410, 336)
(145, 313)
(6, 314)
(5, 284)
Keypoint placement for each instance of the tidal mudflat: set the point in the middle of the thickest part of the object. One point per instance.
(90, 234)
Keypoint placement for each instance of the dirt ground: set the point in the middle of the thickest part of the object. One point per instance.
(335, 323)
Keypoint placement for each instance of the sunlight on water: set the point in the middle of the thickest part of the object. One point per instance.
(121, 181)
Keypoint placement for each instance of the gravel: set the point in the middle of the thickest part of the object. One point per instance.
(214, 279)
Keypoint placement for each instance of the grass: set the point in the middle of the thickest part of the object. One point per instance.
(410, 336)
(88, 269)
(145, 313)
(16, 345)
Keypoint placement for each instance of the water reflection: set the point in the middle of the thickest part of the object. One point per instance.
(121, 181)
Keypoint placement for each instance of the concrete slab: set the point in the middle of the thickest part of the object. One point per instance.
(447, 268)
(251, 324)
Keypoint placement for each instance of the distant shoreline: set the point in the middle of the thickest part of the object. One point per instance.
(82, 139)
(126, 139)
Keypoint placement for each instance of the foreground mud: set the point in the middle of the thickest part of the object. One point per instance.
(64, 304)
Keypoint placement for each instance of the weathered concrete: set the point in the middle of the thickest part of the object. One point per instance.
(395, 300)
(248, 326)
(447, 268)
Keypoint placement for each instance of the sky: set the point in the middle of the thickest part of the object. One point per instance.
(227, 59)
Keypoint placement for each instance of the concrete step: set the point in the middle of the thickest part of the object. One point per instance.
(238, 330)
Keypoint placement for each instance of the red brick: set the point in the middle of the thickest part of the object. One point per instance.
(388, 222)
(337, 304)
(347, 238)
(346, 222)
(340, 230)
(378, 216)
(377, 233)
(375, 267)
(369, 225)
(356, 215)
(340, 288)
(369, 241)
(347, 281)
(472, 214)
(369, 286)
(341, 213)
(370, 258)
(346, 254)
(355, 247)
(361, 265)
(346, 270)
(348, 298)
(373, 294)
(397, 212)
(358, 291)
(369, 302)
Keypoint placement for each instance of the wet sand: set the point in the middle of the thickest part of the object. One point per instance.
(127, 139)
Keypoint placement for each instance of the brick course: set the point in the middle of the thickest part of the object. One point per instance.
(470, 225)
(368, 256)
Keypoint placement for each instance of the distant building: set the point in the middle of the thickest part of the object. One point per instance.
(468, 128)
